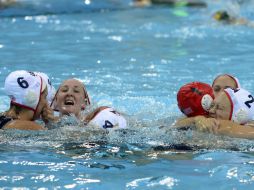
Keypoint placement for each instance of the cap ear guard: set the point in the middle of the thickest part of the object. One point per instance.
(206, 102)
(241, 116)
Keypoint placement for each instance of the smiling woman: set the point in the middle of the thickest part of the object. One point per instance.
(71, 98)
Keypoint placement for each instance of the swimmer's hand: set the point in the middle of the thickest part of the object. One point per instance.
(207, 124)
(48, 115)
(183, 123)
(200, 123)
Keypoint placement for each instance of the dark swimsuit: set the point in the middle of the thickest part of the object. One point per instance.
(3, 120)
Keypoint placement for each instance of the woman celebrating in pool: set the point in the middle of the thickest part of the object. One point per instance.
(72, 98)
(28, 93)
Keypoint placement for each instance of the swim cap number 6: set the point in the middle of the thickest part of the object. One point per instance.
(22, 83)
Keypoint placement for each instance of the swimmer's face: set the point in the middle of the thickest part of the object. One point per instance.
(222, 83)
(220, 107)
(43, 102)
(70, 98)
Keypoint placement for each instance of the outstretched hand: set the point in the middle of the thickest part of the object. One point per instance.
(48, 115)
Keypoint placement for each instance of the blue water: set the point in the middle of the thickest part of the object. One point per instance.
(135, 60)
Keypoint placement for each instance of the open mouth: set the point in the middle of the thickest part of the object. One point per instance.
(69, 102)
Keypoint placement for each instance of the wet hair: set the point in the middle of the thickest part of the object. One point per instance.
(14, 111)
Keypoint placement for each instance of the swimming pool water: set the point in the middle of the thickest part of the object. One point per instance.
(134, 59)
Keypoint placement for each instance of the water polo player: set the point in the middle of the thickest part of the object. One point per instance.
(72, 98)
(27, 92)
(228, 114)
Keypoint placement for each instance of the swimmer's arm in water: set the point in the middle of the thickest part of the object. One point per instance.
(233, 129)
(200, 123)
(185, 122)
(23, 125)
(240, 21)
(220, 127)
(224, 127)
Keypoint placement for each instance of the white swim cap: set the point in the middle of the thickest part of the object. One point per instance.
(235, 79)
(230, 76)
(51, 89)
(109, 118)
(24, 88)
(242, 105)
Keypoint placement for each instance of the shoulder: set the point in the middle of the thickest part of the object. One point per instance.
(23, 125)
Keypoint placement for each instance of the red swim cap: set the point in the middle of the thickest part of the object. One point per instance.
(195, 98)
